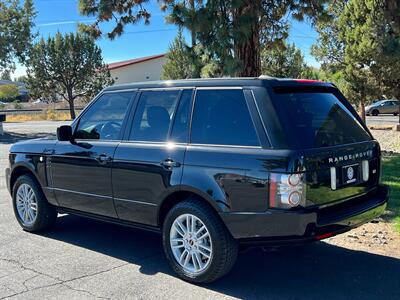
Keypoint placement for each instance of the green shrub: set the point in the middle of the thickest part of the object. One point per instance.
(8, 92)
(17, 104)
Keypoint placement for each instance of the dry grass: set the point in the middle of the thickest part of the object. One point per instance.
(48, 115)
(381, 127)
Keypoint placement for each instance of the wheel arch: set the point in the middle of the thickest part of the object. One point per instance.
(18, 171)
(186, 193)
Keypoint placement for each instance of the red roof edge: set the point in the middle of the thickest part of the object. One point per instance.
(125, 63)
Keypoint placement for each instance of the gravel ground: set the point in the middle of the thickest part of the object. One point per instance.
(377, 237)
(388, 139)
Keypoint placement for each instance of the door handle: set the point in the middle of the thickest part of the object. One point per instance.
(104, 158)
(169, 164)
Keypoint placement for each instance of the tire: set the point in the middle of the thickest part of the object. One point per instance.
(45, 215)
(395, 114)
(224, 248)
(375, 112)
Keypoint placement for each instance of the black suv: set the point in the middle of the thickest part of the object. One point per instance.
(210, 163)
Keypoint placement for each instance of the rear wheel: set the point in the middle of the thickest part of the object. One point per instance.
(375, 112)
(197, 244)
(31, 208)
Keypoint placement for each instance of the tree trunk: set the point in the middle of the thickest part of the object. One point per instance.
(72, 109)
(362, 109)
(192, 32)
(71, 103)
(247, 47)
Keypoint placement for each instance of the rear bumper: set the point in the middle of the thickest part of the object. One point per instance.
(287, 227)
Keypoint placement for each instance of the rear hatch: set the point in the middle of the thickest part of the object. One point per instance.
(340, 157)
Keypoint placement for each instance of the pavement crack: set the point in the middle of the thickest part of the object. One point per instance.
(60, 281)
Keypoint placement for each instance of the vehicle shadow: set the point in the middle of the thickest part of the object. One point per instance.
(13, 137)
(314, 271)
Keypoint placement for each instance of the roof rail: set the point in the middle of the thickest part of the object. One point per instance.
(262, 76)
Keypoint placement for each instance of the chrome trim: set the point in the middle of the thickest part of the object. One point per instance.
(120, 90)
(172, 88)
(365, 169)
(134, 201)
(149, 143)
(80, 193)
(219, 88)
(225, 146)
(333, 178)
(100, 196)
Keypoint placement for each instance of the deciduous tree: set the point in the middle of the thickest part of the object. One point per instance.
(70, 66)
(16, 21)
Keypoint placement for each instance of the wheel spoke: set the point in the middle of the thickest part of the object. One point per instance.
(195, 265)
(200, 230)
(206, 234)
(188, 256)
(188, 218)
(203, 252)
(180, 228)
(192, 253)
(25, 191)
(198, 260)
(193, 225)
(26, 215)
(34, 206)
(31, 214)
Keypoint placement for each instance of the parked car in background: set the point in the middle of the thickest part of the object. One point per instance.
(210, 164)
(383, 107)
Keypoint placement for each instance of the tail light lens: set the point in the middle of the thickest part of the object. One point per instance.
(287, 190)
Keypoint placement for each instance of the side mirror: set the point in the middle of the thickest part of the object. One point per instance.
(64, 133)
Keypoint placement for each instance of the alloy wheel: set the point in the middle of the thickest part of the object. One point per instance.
(26, 204)
(191, 243)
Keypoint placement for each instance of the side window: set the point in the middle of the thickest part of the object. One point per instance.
(103, 120)
(221, 117)
(153, 116)
(180, 129)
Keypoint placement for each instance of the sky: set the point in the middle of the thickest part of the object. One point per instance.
(138, 40)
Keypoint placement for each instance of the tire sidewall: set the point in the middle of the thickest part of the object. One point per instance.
(169, 220)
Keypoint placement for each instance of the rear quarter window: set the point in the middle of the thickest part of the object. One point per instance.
(221, 117)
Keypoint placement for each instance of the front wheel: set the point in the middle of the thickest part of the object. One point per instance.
(375, 112)
(197, 244)
(31, 208)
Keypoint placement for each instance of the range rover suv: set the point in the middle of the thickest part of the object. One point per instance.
(211, 164)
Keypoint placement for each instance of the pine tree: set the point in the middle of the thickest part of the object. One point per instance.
(285, 61)
(232, 31)
(179, 63)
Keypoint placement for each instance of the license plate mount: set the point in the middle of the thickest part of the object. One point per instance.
(350, 174)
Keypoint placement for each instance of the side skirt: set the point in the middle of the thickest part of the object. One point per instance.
(64, 210)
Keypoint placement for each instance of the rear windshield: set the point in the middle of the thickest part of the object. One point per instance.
(319, 119)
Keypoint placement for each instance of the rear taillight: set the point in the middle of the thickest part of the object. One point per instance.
(287, 190)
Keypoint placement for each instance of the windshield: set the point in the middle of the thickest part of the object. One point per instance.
(319, 119)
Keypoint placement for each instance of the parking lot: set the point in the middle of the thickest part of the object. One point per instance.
(85, 259)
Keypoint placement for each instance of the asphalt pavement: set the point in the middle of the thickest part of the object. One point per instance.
(382, 120)
(86, 259)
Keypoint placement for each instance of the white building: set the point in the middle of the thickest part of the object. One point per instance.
(147, 68)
